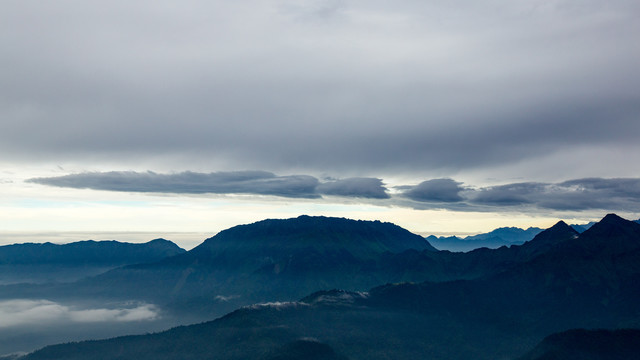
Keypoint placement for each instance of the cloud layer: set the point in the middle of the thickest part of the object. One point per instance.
(238, 182)
(327, 86)
(579, 194)
(618, 194)
(610, 194)
(20, 312)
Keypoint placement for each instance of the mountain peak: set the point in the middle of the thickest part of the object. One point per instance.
(612, 223)
(620, 234)
(560, 228)
(558, 233)
(612, 218)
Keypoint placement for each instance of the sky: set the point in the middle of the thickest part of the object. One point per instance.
(180, 119)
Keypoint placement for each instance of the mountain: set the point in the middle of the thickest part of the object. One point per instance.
(275, 260)
(448, 266)
(583, 281)
(88, 252)
(269, 260)
(319, 233)
(485, 304)
(48, 262)
(248, 333)
(558, 281)
(504, 236)
(342, 321)
(581, 344)
(582, 227)
(237, 267)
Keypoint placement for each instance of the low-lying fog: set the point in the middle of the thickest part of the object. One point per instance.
(27, 324)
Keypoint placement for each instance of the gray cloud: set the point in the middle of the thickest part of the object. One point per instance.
(612, 195)
(612, 187)
(574, 195)
(436, 190)
(328, 86)
(355, 187)
(593, 193)
(510, 194)
(238, 182)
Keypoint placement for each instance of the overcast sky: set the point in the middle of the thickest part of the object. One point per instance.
(192, 116)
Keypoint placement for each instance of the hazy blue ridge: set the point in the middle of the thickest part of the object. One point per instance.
(88, 252)
(47, 262)
(504, 236)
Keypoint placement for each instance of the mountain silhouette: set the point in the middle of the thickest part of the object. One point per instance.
(38, 263)
(557, 282)
(88, 252)
(360, 238)
(270, 260)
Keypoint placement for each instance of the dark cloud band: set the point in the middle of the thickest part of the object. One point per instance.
(232, 182)
(362, 187)
(436, 190)
(618, 194)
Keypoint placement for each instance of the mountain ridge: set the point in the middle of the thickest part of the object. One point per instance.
(304, 230)
(88, 251)
(48, 262)
(500, 305)
(269, 260)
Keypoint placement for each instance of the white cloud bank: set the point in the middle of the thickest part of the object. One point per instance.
(17, 312)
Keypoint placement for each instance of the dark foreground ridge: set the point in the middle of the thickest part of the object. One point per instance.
(581, 344)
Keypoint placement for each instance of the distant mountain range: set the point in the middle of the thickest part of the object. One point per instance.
(400, 297)
(38, 263)
(504, 236)
(88, 252)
